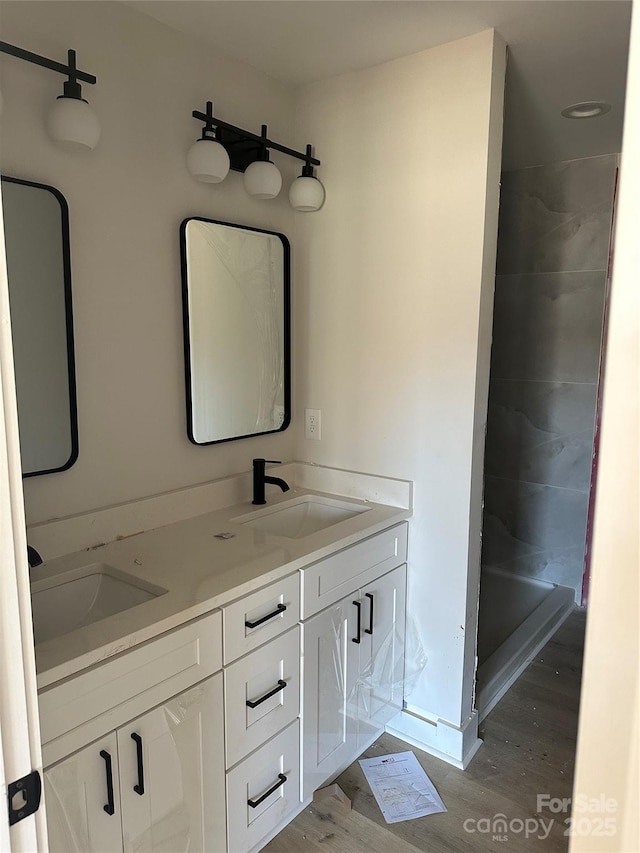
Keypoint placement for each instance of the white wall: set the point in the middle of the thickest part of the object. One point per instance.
(126, 201)
(393, 315)
(393, 279)
(608, 758)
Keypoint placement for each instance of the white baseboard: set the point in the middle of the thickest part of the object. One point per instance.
(453, 744)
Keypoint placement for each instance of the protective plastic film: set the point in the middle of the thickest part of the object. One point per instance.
(236, 285)
(145, 793)
(354, 665)
(76, 794)
(393, 662)
(333, 670)
(183, 769)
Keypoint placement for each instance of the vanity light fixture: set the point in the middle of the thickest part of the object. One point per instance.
(262, 178)
(207, 159)
(306, 193)
(249, 153)
(72, 124)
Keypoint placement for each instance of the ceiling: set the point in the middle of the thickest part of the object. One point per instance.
(560, 52)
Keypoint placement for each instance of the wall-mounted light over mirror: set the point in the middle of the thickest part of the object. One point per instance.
(71, 122)
(36, 226)
(223, 146)
(236, 301)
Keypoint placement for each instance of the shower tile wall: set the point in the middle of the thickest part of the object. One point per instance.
(553, 245)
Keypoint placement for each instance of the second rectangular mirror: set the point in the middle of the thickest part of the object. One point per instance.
(36, 231)
(235, 284)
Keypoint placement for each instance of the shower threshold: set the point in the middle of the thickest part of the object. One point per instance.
(505, 647)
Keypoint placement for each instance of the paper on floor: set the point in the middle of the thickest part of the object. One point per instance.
(401, 787)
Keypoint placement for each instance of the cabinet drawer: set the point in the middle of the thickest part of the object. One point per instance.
(260, 616)
(329, 580)
(85, 707)
(262, 674)
(254, 781)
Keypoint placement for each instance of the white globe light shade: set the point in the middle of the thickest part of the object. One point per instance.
(262, 179)
(73, 125)
(208, 161)
(306, 194)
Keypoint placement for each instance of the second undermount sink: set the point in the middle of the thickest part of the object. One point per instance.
(79, 597)
(302, 516)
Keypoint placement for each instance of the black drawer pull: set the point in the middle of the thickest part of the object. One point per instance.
(369, 630)
(281, 780)
(279, 609)
(358, 632)
(110, 807)
(139, 788)
(254, 704)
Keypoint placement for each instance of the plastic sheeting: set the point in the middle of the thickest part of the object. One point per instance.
(182, 747)
(236, 330)
(391, 672)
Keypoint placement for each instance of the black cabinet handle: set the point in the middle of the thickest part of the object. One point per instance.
(369, 630)
(359, 606)
(281, 780)
(254, 704)
(110, 807)
(139, 788)
(279, 609)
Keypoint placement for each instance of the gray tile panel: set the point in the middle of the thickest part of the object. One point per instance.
(556, 217)
(541, 432)
(553, 246)
(548, 326)
(534, 530)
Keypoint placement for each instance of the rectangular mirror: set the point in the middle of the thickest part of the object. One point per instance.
(36, 228)
(235, 288)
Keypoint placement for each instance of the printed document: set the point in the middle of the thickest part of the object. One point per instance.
(401, 787)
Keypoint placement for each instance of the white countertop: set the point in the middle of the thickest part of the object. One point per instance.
(199, 572)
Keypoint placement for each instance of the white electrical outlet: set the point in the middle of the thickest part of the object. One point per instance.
(312, 424)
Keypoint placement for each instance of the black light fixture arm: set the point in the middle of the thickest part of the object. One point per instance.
(69, 70)
(230, 135)
(209, 129)
(307, 169)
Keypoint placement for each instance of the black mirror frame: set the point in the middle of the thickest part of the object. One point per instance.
(71, 365)
(287, 328)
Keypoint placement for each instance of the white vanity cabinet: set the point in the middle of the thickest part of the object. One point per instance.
(353, 655)
(152, 785)
(210, 736)
(133, 748)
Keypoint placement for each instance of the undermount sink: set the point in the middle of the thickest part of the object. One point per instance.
(300, 517)
(80, 597)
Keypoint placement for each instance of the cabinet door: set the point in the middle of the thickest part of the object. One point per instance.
(172, 774)
(381, 679)
(330, 666)
(83, 801)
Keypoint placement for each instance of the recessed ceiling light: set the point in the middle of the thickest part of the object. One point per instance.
(587, 109)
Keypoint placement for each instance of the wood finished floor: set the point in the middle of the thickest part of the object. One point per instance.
(529, 748)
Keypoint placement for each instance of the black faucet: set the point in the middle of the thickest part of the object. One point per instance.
(260, 479)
